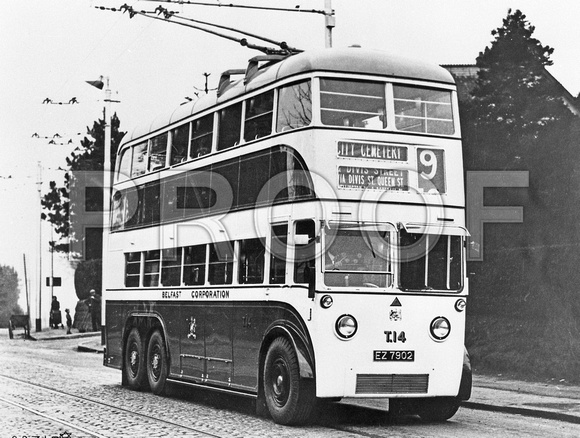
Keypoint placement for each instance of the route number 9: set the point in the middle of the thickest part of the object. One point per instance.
(428, 160)
(431, 169)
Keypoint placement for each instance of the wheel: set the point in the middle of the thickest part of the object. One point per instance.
(134, 368)
(436, 409)
(157, 363)
(289, 398)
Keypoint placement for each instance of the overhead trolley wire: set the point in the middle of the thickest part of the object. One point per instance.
(231, 5)
(168, 15)
(282, 44)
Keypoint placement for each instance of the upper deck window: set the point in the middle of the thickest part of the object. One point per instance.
(294, 106)
(423, 110)
(179, 143)
(139, 159)
(230, 121)
(259, 110)
(359, 104)
(125, 165)
(158, 152)
(201, 136)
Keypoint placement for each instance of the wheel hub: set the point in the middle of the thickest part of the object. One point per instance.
(280, 383)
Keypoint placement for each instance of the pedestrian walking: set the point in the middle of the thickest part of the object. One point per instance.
(68, 321)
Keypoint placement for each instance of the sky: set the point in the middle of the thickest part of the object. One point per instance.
(49, 48)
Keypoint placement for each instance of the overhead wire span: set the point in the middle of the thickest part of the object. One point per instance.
(168, 15)
(231, 5)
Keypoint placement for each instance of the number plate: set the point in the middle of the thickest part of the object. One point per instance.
(394, 356)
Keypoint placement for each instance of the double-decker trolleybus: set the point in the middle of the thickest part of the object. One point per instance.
(297, 235)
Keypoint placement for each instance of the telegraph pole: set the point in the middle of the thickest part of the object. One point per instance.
(106, 200)
(39, 184)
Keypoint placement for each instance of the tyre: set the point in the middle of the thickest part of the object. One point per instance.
(134, 368)
(437, 409)
(157, 363)
(289, 398)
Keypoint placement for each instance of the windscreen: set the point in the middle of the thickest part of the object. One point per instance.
(430, 262)
(357, 257)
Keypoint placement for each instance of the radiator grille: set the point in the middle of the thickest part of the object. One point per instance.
(392, 383)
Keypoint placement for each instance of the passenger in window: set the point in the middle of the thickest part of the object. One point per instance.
(202, 150)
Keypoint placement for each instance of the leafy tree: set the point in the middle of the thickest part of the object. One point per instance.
(87, 277)
(9, 294)
(88, 157)
(514, 100)
(515, 119)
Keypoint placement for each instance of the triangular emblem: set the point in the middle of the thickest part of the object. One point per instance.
(396, 303)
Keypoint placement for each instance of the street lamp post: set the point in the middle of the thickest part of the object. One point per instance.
(100, 84)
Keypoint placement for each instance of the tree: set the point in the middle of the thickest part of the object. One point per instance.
(57, 202)
(515, 119)
(514, 100)
(9, 294)
(87, 277)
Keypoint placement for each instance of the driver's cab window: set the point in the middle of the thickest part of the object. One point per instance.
(304, 249)
(278, 247)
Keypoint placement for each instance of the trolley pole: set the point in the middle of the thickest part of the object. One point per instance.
(329, 22)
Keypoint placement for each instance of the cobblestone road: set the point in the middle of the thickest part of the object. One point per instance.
(47, 381)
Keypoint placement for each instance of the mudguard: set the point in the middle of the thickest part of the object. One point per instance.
(466, 378)
(305, 360)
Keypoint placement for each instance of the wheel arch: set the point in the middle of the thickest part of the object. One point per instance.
(299, 342)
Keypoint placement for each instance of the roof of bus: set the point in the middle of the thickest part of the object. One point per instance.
(349, 60)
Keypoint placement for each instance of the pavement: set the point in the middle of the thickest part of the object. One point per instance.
(555, 400)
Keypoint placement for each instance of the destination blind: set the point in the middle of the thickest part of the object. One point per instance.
(376, 151)
(350, 177)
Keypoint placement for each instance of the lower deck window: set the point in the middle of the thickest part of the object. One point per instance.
(132, 269)
(151, 269)
(221, 263)
(171, 267)
(194, 265)
(251, 266)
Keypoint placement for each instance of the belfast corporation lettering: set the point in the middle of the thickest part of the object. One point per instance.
(210, 294)
(197, 294)
(372, 150)
(372, 178)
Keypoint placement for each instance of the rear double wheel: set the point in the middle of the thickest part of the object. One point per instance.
(157, 363)
(289, 398)
(134, 360)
